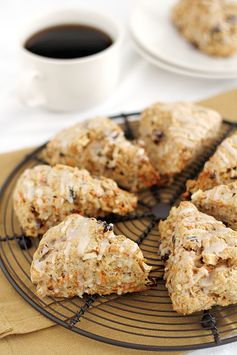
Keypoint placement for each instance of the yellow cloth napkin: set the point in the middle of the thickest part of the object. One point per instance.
(25, 325)
(225, 103)
(16, 316)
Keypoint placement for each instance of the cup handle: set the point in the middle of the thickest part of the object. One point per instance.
(29, 89)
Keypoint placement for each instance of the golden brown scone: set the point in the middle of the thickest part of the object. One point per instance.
(99, 145)
(219, 202)
(81, 255)
(221, 168)
(45, 195)
(210, 25)
(176, 133)
(201, 260)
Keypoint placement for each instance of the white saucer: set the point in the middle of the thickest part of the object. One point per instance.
(153, 31)
(177, 70)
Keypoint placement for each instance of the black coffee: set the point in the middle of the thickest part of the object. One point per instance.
(68, 41)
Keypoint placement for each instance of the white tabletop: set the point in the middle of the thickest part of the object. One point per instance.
(141, 84)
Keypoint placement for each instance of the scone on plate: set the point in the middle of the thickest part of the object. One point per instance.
(221, 168)
(82, 255)
(99, 145)
(201, 260)
(45, 195)
(219, 202)
(210, 25)
(176, 133)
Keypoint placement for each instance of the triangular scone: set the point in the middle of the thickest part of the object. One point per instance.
(176, 133)
(82, 255)
(219, 202)
(99, 145)
(221, 168)
(210, 25)
(201, 260)
(45, 195)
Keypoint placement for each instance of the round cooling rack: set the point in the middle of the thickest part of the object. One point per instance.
(144, 321)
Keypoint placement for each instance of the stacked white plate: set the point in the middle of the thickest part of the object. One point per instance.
(157, 40)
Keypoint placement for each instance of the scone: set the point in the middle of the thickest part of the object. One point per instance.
(221, 168)
(201, 260)
(45, 195)
(219, 202)
(99, 145)
(210, 25)
(82, 255)
(176, 133)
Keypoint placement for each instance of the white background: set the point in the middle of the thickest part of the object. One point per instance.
(140, 85)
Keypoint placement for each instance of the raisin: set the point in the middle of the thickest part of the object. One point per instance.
(38, 223)
(32, 209)
(107, 227)
(232, 19)
(173, 238)
(216, 29)
(213, 175)
(165, 257)
(72, 194)
(195, 44)
(157, 135)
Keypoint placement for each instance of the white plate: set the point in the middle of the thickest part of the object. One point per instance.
(152, 28)
(163, 65)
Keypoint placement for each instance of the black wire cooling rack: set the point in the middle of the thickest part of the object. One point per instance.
(144, 321)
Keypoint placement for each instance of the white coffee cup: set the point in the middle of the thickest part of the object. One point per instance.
(70, 84)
